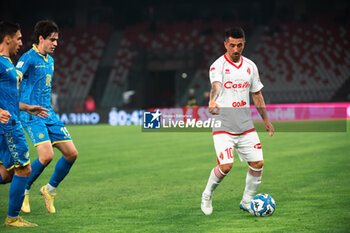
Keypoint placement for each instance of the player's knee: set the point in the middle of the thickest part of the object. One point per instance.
(257, 164)
(23, 171)
(260, 164)
(226, 168)
(46, 159)
(27, 170)
(7, 177)
(72, 155)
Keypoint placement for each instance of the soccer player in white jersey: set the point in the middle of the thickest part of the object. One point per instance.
(232, 77)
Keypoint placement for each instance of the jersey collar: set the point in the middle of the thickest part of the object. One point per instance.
(35, 48)
(6, 57)
(239, 65)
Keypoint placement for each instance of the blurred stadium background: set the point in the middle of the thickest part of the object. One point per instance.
(131, 56)
(144, 54)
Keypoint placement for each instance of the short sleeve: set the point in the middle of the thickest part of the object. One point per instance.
(256, 84)
(23, 64)
(215, 73)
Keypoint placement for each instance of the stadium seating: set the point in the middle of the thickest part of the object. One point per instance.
(169, 38)
(298, 62)
(303, 62)
(76, 60)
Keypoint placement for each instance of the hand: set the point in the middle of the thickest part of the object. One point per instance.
(269, 127)
(4, 116)
(213, 107)
(37, 111)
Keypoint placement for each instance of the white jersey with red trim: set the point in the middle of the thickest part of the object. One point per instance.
(237, 79)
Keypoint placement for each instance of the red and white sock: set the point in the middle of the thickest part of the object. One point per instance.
(253, 181)
(215, 178)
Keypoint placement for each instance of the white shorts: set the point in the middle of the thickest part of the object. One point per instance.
(247, 146)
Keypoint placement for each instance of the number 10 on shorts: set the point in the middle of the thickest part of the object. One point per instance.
(229, 152)
(226, 156)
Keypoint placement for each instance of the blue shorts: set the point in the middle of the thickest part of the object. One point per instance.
(14, 148)
(40, 132)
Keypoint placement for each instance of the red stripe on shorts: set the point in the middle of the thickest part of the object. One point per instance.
(232, 134)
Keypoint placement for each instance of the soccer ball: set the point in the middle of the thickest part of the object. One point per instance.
(263, 205)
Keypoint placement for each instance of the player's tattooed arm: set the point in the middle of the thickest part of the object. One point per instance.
(259, 102)
(4, 116)
(34, 110)
(214, 94)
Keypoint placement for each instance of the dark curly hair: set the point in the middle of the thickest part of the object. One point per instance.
(44, 28)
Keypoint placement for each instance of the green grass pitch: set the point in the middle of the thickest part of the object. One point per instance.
(126, 180)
